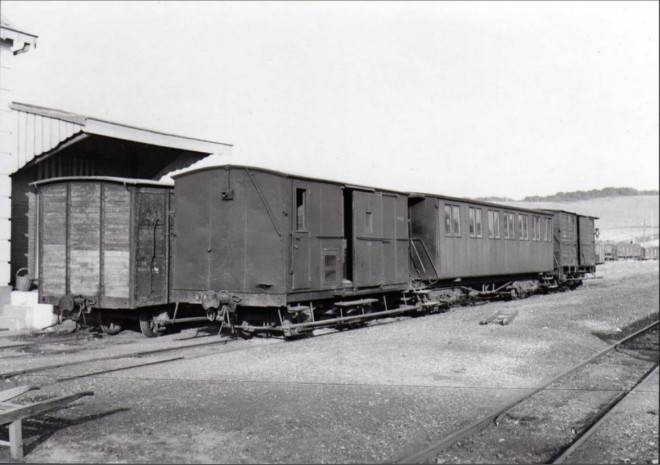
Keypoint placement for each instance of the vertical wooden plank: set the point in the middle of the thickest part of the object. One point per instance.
(101, 240)
(116, 241)
(16, 439)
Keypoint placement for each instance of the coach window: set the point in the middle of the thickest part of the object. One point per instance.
(456, 219)
(491, 223)
(505, 224)
(448, 220)
(521, 230)
(301, 206)
(548, 229)
(534, 218)
(538, 228)
(472, 215)
(526, 226)
(496, 216)
(478, 221)
(512, 223)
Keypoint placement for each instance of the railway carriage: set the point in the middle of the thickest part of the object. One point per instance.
(260, 250)
(478, 243)
(574, 245)
(276, 249)
(103, 244)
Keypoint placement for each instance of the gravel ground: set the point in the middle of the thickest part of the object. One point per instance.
(365, 395)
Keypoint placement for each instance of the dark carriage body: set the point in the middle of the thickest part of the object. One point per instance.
(574, 243)
(478, 241)
(587, 257)
(105, 240)
(272, 239)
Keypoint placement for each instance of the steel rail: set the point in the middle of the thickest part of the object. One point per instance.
(55, 341)
(431, 451)
(11, 374)
(598, 422)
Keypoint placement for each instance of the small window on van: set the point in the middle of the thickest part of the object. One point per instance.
(472, 225)
(301, 209)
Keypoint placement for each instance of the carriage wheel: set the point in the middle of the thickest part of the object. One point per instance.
(148, 326)
(111, 326)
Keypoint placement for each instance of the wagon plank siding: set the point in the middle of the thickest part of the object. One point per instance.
(84, 239)
(53, 240)
(116, 240)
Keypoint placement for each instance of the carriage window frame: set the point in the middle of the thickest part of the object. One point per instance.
(448, 229)
(472, 222)
(479, 223)
(456, 219)
(493, 224)
(523, 227)
(452, 220)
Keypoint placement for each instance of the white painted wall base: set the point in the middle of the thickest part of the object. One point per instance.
(25, 312)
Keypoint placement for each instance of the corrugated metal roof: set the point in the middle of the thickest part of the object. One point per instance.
(19, 37)
(40, 130)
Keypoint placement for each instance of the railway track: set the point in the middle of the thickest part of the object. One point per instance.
(483, 441)
(130, 355)
(598, 423)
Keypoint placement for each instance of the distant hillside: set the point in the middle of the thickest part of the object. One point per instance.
(577, 195)
(622, 217)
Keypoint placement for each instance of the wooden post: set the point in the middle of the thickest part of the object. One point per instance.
(16, 439)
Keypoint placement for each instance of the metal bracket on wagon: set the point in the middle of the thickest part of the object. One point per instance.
(72, 307)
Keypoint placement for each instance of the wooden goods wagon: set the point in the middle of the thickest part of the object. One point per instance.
(650, 252)
(456, 238)
(103, 243)
(271, 239)
(565, 240)
(629, 250)
(587, 258)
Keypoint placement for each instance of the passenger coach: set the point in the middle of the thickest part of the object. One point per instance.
(478, 242)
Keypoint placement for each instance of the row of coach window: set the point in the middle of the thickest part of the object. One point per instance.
(540, 229)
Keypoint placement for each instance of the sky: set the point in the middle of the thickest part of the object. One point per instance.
(468, 99)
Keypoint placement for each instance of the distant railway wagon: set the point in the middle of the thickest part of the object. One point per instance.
(600, 253)
(474, 241)
(103, 243)
(650, 253)
(258, 250)
(610, 252)
(629, 251)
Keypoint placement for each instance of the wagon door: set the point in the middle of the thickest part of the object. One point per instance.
(151, 247)
(300, 243)
(368, 238)
(586, 239)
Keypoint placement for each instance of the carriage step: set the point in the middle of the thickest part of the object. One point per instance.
(352, 303)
